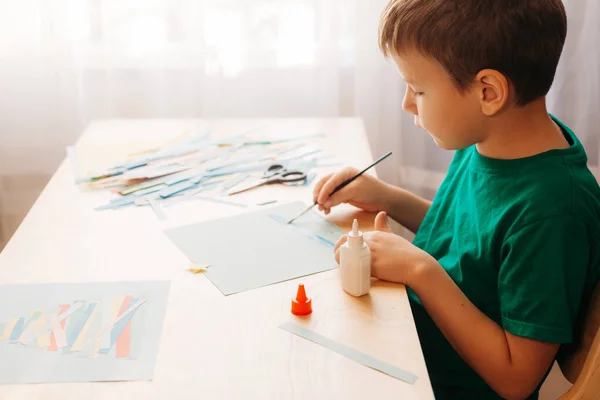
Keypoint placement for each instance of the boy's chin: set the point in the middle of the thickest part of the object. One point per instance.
(445, 145)
(440, 143)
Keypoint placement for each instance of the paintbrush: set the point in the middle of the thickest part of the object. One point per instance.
(342, 185)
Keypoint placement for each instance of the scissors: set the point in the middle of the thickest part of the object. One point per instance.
(275, 173)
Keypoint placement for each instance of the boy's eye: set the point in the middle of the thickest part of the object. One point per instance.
(419, 94)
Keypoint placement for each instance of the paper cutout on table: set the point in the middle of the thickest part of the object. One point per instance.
(350, 353)
(80, 332)
(267, 202)
(199, 270)
(187, 163)
(253, 250)
(40, 323)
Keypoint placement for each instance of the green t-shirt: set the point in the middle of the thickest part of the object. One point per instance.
(521, 238)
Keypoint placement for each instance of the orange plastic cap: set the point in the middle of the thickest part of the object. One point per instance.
(301, 305)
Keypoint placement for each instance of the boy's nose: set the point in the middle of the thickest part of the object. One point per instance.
(408, 104)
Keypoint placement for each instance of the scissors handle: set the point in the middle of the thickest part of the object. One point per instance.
(288, 177)
(276, 173)
(273, 170)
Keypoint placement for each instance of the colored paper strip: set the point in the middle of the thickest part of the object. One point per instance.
(350, 353)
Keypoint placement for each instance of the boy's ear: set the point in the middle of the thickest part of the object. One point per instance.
(493, 91)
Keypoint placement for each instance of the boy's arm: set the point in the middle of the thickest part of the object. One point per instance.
(405, 207)
(512, 365)
(540, 285)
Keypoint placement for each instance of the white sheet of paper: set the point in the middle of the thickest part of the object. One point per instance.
(253, 250)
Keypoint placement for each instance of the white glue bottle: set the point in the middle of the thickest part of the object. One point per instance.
(355, 263)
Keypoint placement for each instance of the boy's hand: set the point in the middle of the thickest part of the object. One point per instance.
(365, 192)
(393, 258)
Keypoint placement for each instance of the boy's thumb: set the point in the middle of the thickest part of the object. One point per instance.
(381, 222)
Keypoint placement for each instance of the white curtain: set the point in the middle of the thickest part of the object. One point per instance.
(64, 63)
(575, 94)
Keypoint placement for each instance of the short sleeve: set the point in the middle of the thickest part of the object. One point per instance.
(542, 278)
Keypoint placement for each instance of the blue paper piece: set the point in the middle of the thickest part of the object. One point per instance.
(18, 329)
(180, 177)
(73, 325)
(134, 164)
(177, 188)
(309, 178)
(259, 259)
(118, 203)
(149, 190)
(76, 328)
(199, 179)
(118, 328)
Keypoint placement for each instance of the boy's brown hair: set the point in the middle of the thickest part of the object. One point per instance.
(522, 39)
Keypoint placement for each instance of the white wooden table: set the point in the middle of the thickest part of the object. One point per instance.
(214, 347)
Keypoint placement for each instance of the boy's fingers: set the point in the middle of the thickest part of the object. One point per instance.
(331, 184)
(381, 222)
(319, 185)
(342, 196)
(340, 242)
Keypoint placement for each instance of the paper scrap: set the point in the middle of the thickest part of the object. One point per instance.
(264, 203)
(199, 270)
(350, 353)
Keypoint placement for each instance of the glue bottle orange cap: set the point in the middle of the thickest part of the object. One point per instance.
(301, 305)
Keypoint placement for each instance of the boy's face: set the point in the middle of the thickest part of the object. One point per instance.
(452, 118)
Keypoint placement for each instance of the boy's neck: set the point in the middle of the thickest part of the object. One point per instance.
(522, 132)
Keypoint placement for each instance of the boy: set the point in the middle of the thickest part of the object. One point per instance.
(505, 257)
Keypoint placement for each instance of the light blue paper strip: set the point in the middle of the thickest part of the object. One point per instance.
(309, 178)
(150, 190)
(233, 181)
(180, 177)
(350, 353)
(117, 203)
(135, 164)
(305, 231)
(18, 329)
(177, 188)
